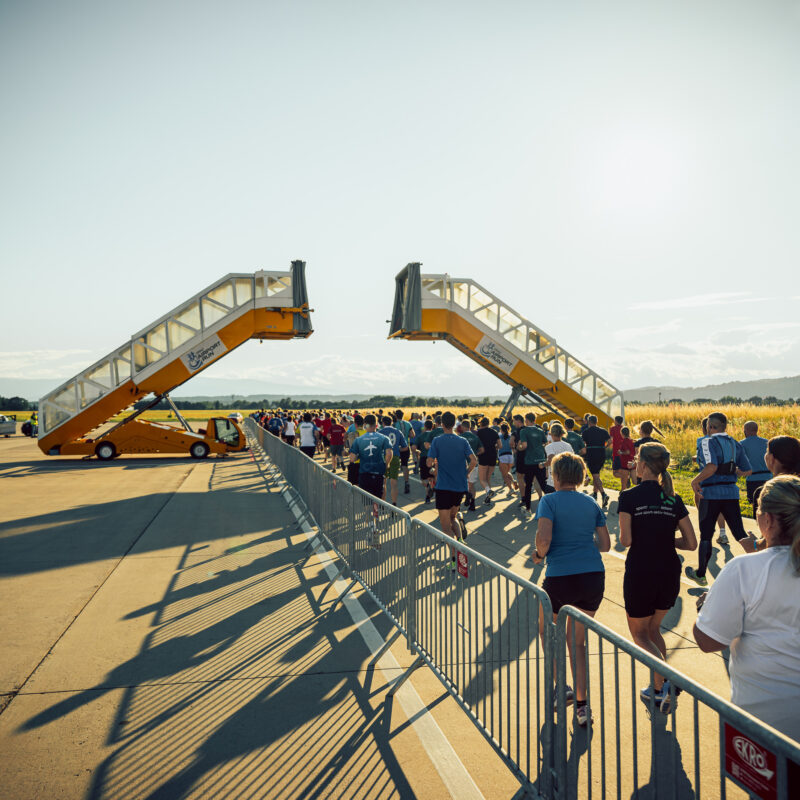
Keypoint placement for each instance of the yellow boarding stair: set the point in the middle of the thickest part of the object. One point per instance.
(162, 356)
(542, 374)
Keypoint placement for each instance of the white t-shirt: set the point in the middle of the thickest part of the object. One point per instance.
(553, 449)
(307, 431)
(754, 606)
(289, 429)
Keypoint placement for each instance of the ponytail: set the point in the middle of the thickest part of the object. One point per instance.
(656, 458)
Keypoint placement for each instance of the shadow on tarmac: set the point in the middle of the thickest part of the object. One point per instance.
(234, 726)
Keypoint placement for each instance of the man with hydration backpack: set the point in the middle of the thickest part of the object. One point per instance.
(722, 460)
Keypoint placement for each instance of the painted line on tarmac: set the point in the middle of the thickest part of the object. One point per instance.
(441, 753)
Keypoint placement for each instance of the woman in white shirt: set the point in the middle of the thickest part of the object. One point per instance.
(753, 607)
(554, 447)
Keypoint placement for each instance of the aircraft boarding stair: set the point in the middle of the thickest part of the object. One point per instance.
(542, 374)
(260, 305)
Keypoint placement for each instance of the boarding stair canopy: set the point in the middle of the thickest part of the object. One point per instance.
(167, 353)
(541, 373)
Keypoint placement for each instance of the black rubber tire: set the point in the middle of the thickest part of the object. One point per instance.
(199, 450)
(105, 451)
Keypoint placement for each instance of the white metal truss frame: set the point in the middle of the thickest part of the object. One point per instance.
(267, 289)
(549, 360)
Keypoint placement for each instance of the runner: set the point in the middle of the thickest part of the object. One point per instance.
(552, 449)
(417, 426)
(532, 440)
(426, 474)
(477, 448)
(336, 434)
(722, 538)
(615, 432)
(490, 441)
(374, 452)
(505, 455)
(519, 454)
(289, 430)
(755, 447)
(624, 458)
(571, 532)
(399, 444)
(355, 430)
(309, 436)
(275, 426)
(573, 438)
(716, 491)
(453, 458)
(325, 430)
(597, 439)
(648, 516)
(407, 430)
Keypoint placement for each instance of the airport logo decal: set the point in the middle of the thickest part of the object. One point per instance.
(207, 351)
(497, 355)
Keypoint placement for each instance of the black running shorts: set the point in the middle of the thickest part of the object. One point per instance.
(371, 482)
(487, 459)
(648, 592)
(595, 460)
(447, 499)
(584, 590)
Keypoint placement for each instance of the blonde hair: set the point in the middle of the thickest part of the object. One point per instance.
(656, 458)
(569, 469)
(781, 498)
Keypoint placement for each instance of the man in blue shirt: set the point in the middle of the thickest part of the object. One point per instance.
(275, 426)
(374, 452)
(454, 460)
(755, 447)
(723, 460)
(399, 446)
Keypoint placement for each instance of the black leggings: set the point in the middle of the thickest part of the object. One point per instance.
(708, 511)
(531, 471)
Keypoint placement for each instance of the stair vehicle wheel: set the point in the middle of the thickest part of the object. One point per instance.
(105, 451)
(198, 450)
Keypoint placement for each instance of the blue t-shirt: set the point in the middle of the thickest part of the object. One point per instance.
(418, 426)
(755, 448)
(718, 449)
(275, 425)
(575, 516)
(452, 452)
(370, 449)
(396, 439)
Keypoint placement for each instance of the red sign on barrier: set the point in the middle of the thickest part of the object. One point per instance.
(463, 565)
(750, 765)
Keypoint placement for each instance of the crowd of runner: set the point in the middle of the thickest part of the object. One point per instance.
(753, 606)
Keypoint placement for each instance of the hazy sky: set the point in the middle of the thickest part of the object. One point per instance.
(625, 174)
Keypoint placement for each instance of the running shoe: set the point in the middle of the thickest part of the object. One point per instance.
(462, 526)
(692, 575)
(657, 695)
(583, 715)
(722, 538)
(594, 496)
(408, 488)
(472, 506)
(487, 501)
(451, 565)
(669, 702)
(428, 496)
(605, 502)
(570, 697)
(491, 493)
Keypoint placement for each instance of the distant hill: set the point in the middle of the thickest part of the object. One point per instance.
(782, 388)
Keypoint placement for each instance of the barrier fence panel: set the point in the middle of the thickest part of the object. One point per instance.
(477, 626)
(488, 635)
(703, 747)
(368, 534)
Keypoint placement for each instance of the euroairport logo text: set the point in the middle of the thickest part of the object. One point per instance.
(210, 349)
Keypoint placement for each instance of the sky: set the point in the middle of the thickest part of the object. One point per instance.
(624, 174)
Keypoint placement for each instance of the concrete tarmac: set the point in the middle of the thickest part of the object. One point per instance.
(167, 634)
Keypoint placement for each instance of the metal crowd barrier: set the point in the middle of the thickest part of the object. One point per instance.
(488, 636)
(704, 746)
